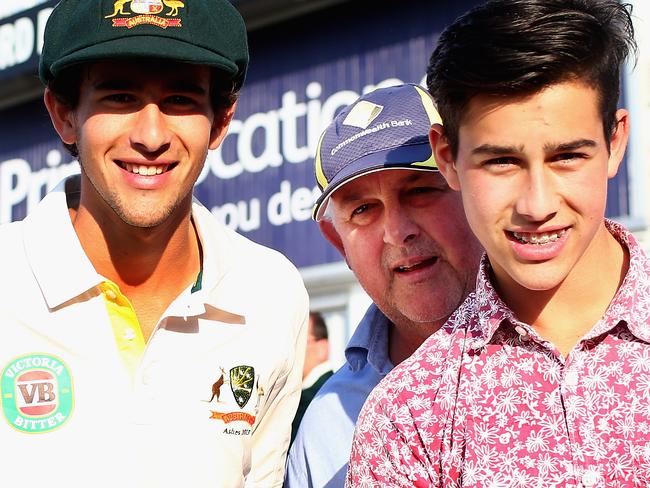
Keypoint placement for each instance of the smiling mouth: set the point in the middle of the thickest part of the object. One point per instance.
(416, 266)
(537, 238)
(146, 170)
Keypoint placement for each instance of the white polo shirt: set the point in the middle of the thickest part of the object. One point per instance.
(208, 401)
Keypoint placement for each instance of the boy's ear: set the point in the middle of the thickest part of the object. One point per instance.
(618, 142)
(220, 125)
(62, 116)
(443, 154)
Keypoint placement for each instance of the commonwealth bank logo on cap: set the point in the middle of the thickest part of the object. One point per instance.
(362, 114)
(387, 128)
(205, 32)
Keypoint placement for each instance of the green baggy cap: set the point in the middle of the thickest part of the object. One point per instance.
(206, 32)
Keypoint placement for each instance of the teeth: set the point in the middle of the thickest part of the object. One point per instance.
(412, 266)
(141, 169)
(539, 239)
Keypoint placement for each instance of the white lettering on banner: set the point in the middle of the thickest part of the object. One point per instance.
(20, 40)
(269, 125)
(19, 183)
(283, 207)
(244, 216)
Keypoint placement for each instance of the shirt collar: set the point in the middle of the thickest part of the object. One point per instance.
(369, 343)
(630, 304)
(488, 306)
(58, 261)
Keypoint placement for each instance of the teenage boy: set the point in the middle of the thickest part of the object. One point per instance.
(401, 229)
(141, 343)
(542, 377)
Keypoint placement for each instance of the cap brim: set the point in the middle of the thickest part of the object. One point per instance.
(149, 47)
(402, 157)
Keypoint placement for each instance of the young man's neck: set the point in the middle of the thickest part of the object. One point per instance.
(152, 266)
(563, 315)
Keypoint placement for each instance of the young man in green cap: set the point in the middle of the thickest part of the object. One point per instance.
(141, 343)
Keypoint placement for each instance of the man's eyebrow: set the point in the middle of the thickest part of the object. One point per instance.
(114, 84)
(118, 84)
(351, 196)
(183, 86)
(348, 198)
(498, 150)
(494, 149)
(571, 146)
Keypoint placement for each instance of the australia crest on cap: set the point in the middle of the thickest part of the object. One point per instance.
(131, 13)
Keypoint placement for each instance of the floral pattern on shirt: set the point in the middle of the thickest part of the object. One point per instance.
(486, 402)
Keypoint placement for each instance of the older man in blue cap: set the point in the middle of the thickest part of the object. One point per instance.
(402, 231)
(142, 343)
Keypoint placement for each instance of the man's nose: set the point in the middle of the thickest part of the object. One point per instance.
(150, 131)
(539, 200)
(399, 226)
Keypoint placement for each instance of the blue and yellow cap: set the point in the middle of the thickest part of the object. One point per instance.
(387, 128)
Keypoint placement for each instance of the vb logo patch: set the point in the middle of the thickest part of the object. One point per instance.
(36, 391)
(139, 12)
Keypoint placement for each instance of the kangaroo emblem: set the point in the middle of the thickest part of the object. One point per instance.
(173, 5)
(119, 8)
(216, 387)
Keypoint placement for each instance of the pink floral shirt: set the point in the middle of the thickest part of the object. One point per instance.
(486, 402)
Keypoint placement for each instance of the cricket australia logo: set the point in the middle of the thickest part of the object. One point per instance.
(145, 13)
(36, 392)
(242, 379)
(233, 405)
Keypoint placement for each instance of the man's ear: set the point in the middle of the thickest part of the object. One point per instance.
(618, 142)
(329, 231)
(443, 154)
(62, 116)
(220, 125)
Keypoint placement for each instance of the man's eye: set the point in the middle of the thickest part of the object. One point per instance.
(360, 209)
(423, 190)
(502, 161)
(120, 98)
(180, 100)
(568, 156)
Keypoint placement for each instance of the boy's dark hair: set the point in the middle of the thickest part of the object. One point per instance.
(513, 48)
(66, 86)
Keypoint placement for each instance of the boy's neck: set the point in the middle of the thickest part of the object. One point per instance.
(564, 314)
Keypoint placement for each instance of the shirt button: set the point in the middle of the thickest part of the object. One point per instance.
(129, 334)
(523, 333)
(111, 295)
(590, 478)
